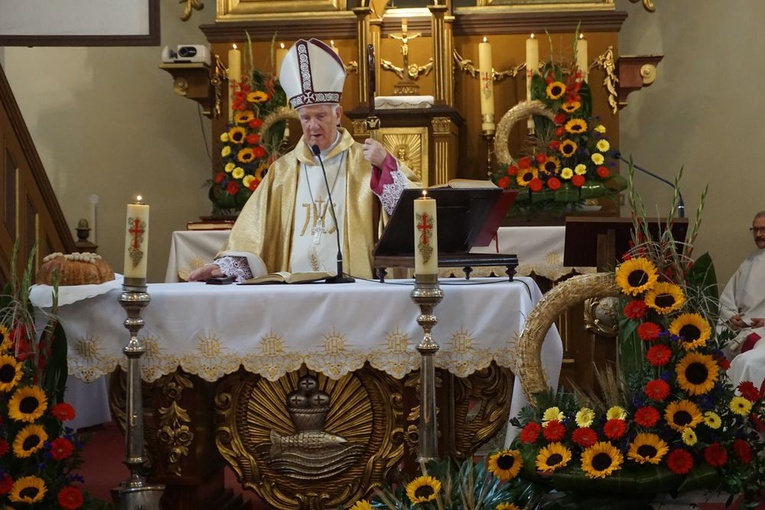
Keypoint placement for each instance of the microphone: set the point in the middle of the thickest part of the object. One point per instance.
(680, 202)
(339, 277)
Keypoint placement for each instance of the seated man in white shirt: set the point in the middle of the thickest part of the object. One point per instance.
(742, 306)
(286, 225)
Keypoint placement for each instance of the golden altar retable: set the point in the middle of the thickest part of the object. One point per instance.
(306, 391)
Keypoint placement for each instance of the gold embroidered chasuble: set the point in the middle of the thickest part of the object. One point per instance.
(266, 222)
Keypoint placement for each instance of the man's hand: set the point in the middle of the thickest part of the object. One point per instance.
(374, 152)
(738, 322)
(757, 323)
(203, 273)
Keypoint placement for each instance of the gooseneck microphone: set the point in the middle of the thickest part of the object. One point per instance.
(339, 277)
(680, 202)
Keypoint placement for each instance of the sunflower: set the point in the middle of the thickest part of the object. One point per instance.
(244, 117)
(555, 90)
(571, 106)
(237, 134)
(636, 275)
(257, 97)
(647, 448)
(551, 457)
(5, 339)
(423, 489)
(28, 489)
(526, 176)
(697, 373)
(665, 297)
(692, 328)
(10, 372)
(29, 440)
(568, 148)
(601, 459)
(505, 464)
(245, 155)
(362, 504)
(27, 404)
(507, 506)
(551, 165)
(576, 126)
(682, 414)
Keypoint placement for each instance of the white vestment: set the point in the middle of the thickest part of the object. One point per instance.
(745, 294)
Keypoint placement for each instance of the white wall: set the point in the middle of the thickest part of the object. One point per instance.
(703, 113)
(107, 122)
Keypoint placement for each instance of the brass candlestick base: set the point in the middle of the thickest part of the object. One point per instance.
(135, 493)
(427, 294)
(488, 137)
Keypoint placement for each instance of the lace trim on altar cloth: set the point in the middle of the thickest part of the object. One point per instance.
(235, 266)
(392, 192)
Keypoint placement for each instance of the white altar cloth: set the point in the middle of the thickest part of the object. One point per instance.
(539, 251)
(211, 330)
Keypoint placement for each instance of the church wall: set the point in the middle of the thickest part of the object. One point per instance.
(107, 122)
(703, 113)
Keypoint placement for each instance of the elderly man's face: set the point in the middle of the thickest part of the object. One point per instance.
(758, 231)
(319, 124)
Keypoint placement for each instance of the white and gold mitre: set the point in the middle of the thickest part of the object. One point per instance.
(312, 73)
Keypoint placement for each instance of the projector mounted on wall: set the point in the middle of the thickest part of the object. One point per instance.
(186, 53)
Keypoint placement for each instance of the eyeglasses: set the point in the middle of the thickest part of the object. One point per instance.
(757, 230)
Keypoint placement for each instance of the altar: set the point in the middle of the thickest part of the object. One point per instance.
(233, 372)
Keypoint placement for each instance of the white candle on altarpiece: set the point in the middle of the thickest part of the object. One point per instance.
(581, 56)
(532, 66)
(281, 52)
(486, 75)
(425, 235)
(136, 240)
(234, 77)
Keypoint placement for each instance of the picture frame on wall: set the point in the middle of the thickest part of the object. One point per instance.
(79, 23)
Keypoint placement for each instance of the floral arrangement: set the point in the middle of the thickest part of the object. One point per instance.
(676, 422)
(39, 455)
(245, 153)
(570, 159)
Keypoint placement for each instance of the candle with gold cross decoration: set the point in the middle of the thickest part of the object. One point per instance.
(425, 235)
(136, 242)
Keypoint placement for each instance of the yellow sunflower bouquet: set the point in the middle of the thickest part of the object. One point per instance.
(39, 455)
(245, 155)
(569, 159)
(674, 422)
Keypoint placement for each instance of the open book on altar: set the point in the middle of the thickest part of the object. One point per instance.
(287, 277)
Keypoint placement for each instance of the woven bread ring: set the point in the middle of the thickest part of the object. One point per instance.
(564, 295)
(520, 111)
(281, 113)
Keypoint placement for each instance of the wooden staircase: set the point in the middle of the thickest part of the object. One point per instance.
(29, 210)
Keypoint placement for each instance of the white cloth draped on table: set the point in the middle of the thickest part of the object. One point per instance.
(212, 330)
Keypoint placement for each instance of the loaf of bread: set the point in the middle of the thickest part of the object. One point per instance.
(74, 269)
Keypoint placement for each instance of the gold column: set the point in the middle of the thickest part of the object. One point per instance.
(362, 33)
(441, 60)
(444, 150)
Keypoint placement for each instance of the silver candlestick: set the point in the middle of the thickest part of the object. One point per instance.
(427, 294)
(135, 493)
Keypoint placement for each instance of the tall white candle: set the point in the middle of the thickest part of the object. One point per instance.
(234, 77)
(425, 235)
(136, 241)
(581, 56)
(281, 52)
(486, 75)
(532, 65)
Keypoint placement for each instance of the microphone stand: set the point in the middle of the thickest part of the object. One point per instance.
(680, 202)
(339, 277)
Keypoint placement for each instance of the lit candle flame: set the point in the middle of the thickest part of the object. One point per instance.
(138, 199)
(532, 35)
